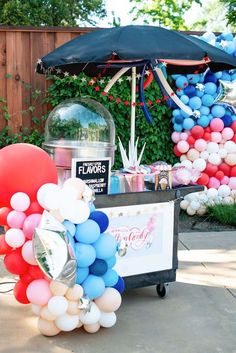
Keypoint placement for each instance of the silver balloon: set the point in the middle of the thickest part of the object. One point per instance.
(122, 248)
(85, 304)
(53, 252)
(227, 94)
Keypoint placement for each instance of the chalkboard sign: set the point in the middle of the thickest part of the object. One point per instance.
(95, 173)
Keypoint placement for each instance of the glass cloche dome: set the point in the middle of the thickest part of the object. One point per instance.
(79, 128)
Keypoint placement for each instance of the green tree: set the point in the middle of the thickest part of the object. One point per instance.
(51, 12)
(167, 13)
(231, 11)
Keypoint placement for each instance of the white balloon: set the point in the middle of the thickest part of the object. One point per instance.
(230, 159)
(57, 305)
(203, 198)
(202, 210)
(44, 190)
(199, 164)
(183, 157)
(28, 253)
(228, 200)
(36, 309)
(107, 319)
(184, 204)
(53, 199)
(20, 201)
(192, 196)
(75, 211)
(223, 152)
(67, 322)
(212, 193)
(214, 158)
(195, 205)
(92, 316)
(212, 147)
(230, 146)
(187, 163)
(190, 211)
(224, 190)
(204, 155)
(14, 237)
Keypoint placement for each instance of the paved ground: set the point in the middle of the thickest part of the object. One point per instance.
(199, 316)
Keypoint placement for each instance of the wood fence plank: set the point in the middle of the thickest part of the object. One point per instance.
(3, 93)
(61, 38)
(25, 79)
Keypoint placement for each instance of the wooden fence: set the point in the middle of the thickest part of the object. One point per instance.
(20, 47)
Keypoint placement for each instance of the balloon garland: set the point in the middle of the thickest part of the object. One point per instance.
(56, 242)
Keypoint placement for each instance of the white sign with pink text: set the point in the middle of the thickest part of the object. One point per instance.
(145, 237)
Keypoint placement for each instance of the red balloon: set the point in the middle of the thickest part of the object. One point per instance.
(34, 208)
(191, 140)
(15, 263)
(26, 278)
(210, 169)
(233, 171)
(233, 126)
(197, 131)
(4, 247)
(177, 152)
(36, 273)
(234, 138)
(20, 292)
(203, 180)
(24, 168)
(207, 136)
(207, 129)
(3, 215)
(225, 168)
(219, 175)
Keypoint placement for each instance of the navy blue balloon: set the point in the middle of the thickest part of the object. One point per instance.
(120, 285)
(190, 91)
(99, 267)
(179, 119)
(101, 219)
(210, 78)
(227, 120)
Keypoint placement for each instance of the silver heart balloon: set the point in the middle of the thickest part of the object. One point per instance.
(227, 94)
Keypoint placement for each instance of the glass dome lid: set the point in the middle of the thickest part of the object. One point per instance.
(79, 121)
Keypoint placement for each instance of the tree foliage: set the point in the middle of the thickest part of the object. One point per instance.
(231, 11)
(167, 13)
(50, 12)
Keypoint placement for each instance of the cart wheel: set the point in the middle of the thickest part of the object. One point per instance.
(162, 290)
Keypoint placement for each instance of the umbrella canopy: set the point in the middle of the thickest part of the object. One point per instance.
(134, 46)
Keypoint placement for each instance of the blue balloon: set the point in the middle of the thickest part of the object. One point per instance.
(204, 110)
(120, 285)
(101, 219)
(105, 246)
(85, 254)
(188, 124)
(203, 121)
(70, 227)
(199, 93)
(178, 119)
(184, 99)
(93, 286)
(227, 36)
(91, 207)
(233, 117)
(193, 78)
(210, 88)
(218, 74)
(178, 127)
(181, 82)
(195, 102)
(218, 111)
(233, 77)
(207, 100)
(110, 278)
(225, 76)
(210, 78)
(99, 267)
(81, 274)
(227, 119)
(190, 91)
(111, 261)
(87, 232)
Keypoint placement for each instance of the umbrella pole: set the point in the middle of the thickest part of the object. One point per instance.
(133, 101)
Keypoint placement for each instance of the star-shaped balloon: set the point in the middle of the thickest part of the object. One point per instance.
(227, 94)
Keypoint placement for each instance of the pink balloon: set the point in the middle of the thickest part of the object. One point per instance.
(200, 145)
(183, 136)
(20, 201)
(227, 133)
(182, 146)
(28, 253)
(232, 183)
(175, 136)
(216, 137)
(15, 219)
(30, 223)
(217, 125)
(38, 292)
(213, 183)
(224, 180)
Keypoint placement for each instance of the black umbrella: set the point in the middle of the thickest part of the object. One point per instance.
(116, 50)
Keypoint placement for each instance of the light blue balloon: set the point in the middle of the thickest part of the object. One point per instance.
(175, 76)
(233, 117)
(203, 121)
(85, 254)
(193, 78)
(105, 246)
(218, 111)
(195, 102)
(179, 92)
(110, 278)
(111, 261)
(91, 207)
(181, 82)
(204, 110)
(233, 77)
(176, 112)
(188, 124)
(185, 115)
(218, 74)
(87, 232)
(178, 127)
(81, 274)
(210, 88)
(207, 100)
(184, 99)
(93, 286)
(199, 93)
(227, 36)
(225, 76)
(70, 227)
(230, 49)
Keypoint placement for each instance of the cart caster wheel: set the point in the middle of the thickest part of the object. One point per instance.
(162, 290)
